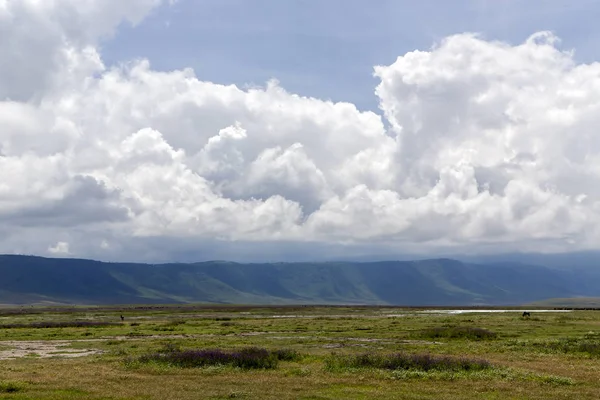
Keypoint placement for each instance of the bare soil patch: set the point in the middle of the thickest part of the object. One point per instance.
(42, 349)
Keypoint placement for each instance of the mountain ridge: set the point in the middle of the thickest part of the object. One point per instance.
(35, 279)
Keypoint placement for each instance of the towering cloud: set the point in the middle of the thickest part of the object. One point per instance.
(478, 142)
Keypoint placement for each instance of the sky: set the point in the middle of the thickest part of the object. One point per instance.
(267, 130)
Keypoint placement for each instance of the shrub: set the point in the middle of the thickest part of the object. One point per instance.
(405, 361)
(574, 345)
(254, 357)
(590, 348)
(247, 358)
(458, 332)
(287, 355)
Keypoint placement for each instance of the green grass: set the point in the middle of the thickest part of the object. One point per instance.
(550, 355)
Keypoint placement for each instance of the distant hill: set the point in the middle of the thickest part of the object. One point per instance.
(575, 302)
(29, 279)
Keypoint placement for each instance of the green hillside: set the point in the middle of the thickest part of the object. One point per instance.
(27, 279)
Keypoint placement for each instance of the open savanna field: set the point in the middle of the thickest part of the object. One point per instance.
(354, 352)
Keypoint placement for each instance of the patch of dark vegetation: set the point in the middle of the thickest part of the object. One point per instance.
(11, 387)
(590, 348)
(59, 324)
(164, 329)
(589, 345)
(458, 332)
(246, 358)
(176, 322)
(287, 355)
(405, 361)
(222, 319)
(136, 334)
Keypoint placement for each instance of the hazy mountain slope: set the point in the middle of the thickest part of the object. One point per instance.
(69, 280)
(26, 279)
(574, 302)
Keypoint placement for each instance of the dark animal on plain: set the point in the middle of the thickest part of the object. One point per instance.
(122, 318)
(526, 314)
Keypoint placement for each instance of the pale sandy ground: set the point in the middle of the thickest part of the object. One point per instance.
(42, 349)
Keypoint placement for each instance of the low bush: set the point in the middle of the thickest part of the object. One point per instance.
(575, 345)
(247, 358)
(287, 355)
(405, 361)
(458, 332)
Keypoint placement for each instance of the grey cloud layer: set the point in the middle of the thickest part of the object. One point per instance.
(487, 143)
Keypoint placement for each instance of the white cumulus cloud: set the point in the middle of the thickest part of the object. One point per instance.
(61, 248)
(478, 143)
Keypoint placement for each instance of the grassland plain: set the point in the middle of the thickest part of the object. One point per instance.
(316, 353)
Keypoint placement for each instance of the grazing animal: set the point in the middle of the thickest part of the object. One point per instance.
(526, 314)
(122, 318)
